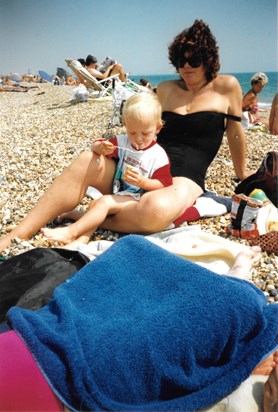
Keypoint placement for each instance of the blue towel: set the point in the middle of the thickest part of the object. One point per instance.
(141, 329)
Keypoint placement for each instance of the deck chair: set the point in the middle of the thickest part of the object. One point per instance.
(96, 88)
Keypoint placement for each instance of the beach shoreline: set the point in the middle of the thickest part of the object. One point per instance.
(42, 131)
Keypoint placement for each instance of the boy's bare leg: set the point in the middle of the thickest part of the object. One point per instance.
(84, 227)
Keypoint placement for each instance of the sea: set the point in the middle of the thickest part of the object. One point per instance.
(265, 97)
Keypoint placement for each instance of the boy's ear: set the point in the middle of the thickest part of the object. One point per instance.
(158, 128)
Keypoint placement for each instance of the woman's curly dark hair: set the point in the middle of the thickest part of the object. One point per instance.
(199, 39)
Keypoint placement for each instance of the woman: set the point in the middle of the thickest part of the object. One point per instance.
(197, 108)
(250, 100)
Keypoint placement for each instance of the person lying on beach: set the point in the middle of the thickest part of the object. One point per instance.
(142, 165)
(113, 69)
(197, 109)
(13, 89)
(250, 100)
(8, 85)
(273, 116)
(133, 338)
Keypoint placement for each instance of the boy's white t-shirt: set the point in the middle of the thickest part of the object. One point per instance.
(152, 162)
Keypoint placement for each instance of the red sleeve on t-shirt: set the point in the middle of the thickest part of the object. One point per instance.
(163, 175)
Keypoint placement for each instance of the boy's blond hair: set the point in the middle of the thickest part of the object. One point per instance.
(143, 106)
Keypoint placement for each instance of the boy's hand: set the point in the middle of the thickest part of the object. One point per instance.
(134, 177)
(103, 147)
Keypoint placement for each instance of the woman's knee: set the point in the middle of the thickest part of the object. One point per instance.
(155, 213)
(91, 169)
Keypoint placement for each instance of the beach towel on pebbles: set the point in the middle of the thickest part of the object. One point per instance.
(211, 251)
(142, 329)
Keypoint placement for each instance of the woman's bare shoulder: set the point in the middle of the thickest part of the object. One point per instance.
(166, 87)
(167, 83)
(226, 83)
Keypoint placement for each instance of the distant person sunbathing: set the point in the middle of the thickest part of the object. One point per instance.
(145, 83)
(113, 69)
(8, 85)
(142, 166)
(273, 117)
(250, 100)
(70, 81)
(12, 89)
(103, 66)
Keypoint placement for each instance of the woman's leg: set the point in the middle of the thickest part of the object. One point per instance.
(22, 385)
(65, 193)
(118, 69)
(156, 210)
(271, 391)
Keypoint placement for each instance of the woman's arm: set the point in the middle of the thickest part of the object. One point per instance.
(100, 75)
(237, 146)
(249, 100)
(234, 130)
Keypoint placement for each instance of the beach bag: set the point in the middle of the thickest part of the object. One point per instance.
(267, 242)
(253, 216)
(80, 93)
(29, 279)
(266, 179)
(244, 215)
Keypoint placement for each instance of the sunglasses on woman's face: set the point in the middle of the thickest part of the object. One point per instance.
(195, 60)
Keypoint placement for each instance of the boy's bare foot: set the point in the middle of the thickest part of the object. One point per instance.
(63, 234)
(245, 262)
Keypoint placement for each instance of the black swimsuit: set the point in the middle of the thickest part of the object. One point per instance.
(192, 141)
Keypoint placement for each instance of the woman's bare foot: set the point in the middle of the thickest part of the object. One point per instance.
(5, 242)
(245, 262)
(266, 366)
(271, 391)
(62, 235)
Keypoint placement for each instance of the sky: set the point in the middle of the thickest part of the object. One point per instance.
(40, 34)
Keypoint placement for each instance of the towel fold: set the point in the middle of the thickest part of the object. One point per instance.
(142, 329)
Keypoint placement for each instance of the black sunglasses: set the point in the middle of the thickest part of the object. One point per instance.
(195, 60)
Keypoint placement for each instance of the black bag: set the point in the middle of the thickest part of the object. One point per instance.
(29, 279)
(266, 179)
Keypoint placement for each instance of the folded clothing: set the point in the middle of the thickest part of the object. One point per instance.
(142, 329)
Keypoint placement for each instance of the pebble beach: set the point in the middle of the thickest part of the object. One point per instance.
(43, 130)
